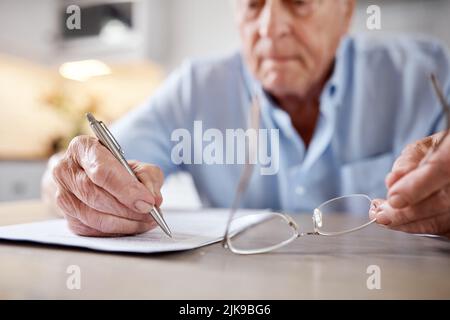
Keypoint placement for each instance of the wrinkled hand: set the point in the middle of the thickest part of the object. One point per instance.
(418, 190)
(98, 197)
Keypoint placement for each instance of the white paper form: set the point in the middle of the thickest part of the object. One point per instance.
(190, 229)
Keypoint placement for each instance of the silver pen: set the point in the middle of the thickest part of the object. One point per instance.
(106, 138)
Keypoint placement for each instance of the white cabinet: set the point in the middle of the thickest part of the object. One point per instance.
(109, 30)
(20, 180)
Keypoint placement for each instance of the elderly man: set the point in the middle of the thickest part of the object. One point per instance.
(344, 106)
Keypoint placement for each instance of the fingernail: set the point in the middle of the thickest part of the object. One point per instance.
(143, 206)
(397, 201)
(383, 219)
(373, 211)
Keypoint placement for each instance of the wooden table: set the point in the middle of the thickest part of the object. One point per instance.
(313, 267)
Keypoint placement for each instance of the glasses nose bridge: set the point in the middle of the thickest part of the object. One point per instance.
(292, 223)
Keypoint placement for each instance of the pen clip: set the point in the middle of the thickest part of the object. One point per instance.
(111, 137)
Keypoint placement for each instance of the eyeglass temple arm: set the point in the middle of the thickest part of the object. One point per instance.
(332, 234)
(248, 168)
(442, 100)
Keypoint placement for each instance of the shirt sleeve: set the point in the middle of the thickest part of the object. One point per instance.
(144, 133)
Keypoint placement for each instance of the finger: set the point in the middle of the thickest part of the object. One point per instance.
(82, 230)
(151, 176)
(436, 204)
(99, 221)
(375, 207)
(408, 160)
(437, 225)
(378, 212)
(106, 172)
(426, 179)
(95, 197)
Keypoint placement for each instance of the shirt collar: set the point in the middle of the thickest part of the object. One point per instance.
(337, 84)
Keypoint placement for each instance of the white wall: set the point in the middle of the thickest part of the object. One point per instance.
(419, 16)
(198, 27)
(26, 28)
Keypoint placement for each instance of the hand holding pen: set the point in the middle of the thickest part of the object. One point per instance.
(107, 140)
(99, 197)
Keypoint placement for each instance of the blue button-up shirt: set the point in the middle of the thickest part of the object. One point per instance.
(378, 99)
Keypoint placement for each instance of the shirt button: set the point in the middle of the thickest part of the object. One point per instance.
(332, 90)
(300, 190)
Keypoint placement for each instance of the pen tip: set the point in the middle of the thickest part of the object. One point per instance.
(90, 117)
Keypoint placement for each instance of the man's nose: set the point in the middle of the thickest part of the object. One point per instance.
(274, 20)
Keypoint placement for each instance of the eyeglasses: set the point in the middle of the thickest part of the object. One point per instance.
(270, 231)
(274, 230)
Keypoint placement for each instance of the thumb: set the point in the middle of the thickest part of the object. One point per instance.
(151, 176)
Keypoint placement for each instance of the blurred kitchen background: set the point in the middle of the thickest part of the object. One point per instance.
(50, 76)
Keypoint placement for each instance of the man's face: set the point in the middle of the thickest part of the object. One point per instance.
(289, 45)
